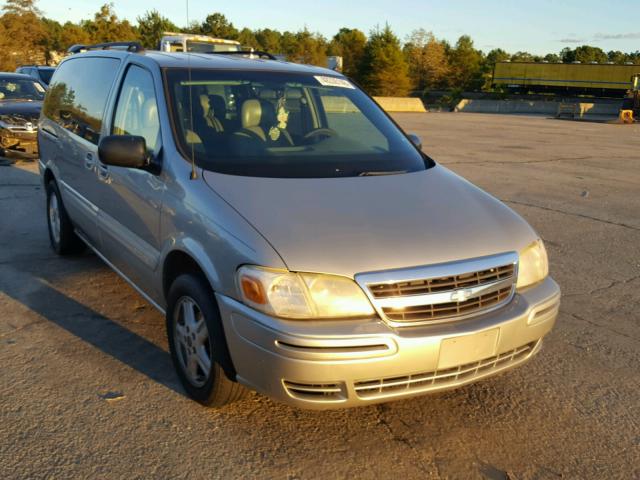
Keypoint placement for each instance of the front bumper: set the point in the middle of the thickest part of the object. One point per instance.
(19, 144)
(337, 364)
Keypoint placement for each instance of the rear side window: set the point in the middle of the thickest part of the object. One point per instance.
(78, 95)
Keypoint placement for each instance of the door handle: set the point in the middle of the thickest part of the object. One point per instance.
(103, 173)
(49, 132)
(89, 162)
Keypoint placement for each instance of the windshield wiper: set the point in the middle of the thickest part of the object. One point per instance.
(378, 173)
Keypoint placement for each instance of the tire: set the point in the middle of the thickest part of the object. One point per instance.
(191, 345)
(62, 236)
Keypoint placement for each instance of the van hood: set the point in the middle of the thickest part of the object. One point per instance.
(353, 225)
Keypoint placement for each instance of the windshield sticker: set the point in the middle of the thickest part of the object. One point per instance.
(334, 82)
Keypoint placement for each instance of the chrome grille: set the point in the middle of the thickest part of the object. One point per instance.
(442, 284)
(442, 378)
(420, 313)
(442, 292)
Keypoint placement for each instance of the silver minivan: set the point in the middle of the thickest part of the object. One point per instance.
(298, 242)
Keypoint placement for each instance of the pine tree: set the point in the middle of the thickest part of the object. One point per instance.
(151, 26)
(349, 44)
(384, 69)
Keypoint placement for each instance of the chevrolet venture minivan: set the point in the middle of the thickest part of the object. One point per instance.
(298, 242)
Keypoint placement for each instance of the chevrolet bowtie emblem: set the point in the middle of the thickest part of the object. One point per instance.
(461, 295)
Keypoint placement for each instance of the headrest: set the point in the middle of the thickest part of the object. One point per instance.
(268, 113)
(251, 113)
(293, 93)
(150, 113)
(218, 105)
(268, 94)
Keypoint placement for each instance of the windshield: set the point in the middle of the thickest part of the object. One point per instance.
(207, 47)
(273, 124)
(46, 74)
(20, 89)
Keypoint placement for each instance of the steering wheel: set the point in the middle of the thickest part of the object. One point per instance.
(327, 132)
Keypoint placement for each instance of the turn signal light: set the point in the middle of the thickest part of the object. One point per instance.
(252, 290)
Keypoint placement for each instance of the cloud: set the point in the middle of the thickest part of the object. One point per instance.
(571, 40)
(618, 36)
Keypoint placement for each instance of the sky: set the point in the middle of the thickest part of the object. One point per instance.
(539, 27)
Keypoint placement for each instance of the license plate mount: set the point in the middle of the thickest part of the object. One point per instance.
(468, 348)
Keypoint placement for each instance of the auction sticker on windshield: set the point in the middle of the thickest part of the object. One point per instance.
(333, 82)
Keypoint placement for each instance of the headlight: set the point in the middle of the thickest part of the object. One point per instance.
(302, 295)
(533, 265)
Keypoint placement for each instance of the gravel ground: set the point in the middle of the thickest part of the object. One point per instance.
(87, 389)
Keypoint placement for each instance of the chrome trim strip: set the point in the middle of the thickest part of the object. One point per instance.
(143, 251)
(443, 297)
(457, 267)
(426, 272)
(81, 200)
(122, 275)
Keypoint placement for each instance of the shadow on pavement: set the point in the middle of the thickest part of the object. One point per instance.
(29, 276)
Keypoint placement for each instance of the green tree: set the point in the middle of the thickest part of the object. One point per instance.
(247, 38)
(466, 64)
(349, 44)
(73, 34)
(23, 34)
(308, 48)
(427, 59)
(584, 54)
(151, 26)
(384, 69)
(52, 40)
(269, 40)
(522, 57)
(552, 58)
(494, 56)
(218, 26)
(107, 27)
(21, 7)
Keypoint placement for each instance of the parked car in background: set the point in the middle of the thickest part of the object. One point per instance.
(298, 242)
(40, 73)
(21, 99)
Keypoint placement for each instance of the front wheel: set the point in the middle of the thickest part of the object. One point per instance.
(196, 342)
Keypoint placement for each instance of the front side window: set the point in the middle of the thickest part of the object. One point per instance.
(137, 109)
(77, 96)
(274, 124)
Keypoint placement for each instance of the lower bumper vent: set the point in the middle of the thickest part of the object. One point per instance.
(320, 392)
(440, 378)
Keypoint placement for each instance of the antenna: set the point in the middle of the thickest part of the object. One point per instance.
(194, 173)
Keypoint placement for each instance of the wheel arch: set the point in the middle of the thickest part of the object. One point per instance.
(180, 262)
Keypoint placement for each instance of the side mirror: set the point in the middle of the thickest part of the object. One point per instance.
(124, 151)
(415, 139)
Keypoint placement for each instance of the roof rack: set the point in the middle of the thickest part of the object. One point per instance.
(126, 46)
(257, 53)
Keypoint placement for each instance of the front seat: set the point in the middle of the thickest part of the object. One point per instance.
(258, 117)
(150, 124)
(251, 118)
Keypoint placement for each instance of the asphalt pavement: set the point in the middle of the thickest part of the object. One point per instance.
(87, 389)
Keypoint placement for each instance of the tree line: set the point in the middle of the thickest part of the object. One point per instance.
(379, 61)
